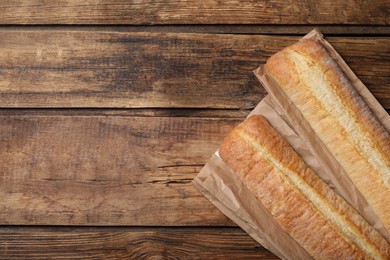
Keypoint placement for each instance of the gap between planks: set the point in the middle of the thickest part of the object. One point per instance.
(132, 112)
(281, 30)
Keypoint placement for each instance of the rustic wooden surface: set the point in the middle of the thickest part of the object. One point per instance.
(130, 243)
(106, 170)
(108, 109)
(194, 12)
(137, 70)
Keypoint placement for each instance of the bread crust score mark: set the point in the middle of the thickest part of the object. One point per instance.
(314, 215)
(338, 115)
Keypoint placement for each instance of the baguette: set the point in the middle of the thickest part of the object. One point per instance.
(323, 223)
(315, 83)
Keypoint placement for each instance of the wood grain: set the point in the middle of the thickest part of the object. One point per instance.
(128, 243)
(156, 70)
(106, 170)
(194, 12)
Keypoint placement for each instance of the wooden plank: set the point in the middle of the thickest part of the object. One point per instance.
(149, 70)
(129, 243)
(194, 12)
(106, 170)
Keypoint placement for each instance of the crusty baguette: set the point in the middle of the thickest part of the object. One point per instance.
(314, 82)
(302, 204)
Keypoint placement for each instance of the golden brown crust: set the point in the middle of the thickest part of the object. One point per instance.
(273, 172)
(318, 54)
(338, 115)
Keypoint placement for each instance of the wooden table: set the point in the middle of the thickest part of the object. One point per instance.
(110, 108)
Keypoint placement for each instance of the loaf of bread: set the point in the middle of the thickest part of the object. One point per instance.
(323, 223)
(315, 83)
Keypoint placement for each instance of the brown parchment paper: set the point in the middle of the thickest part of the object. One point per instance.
(326, 166)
